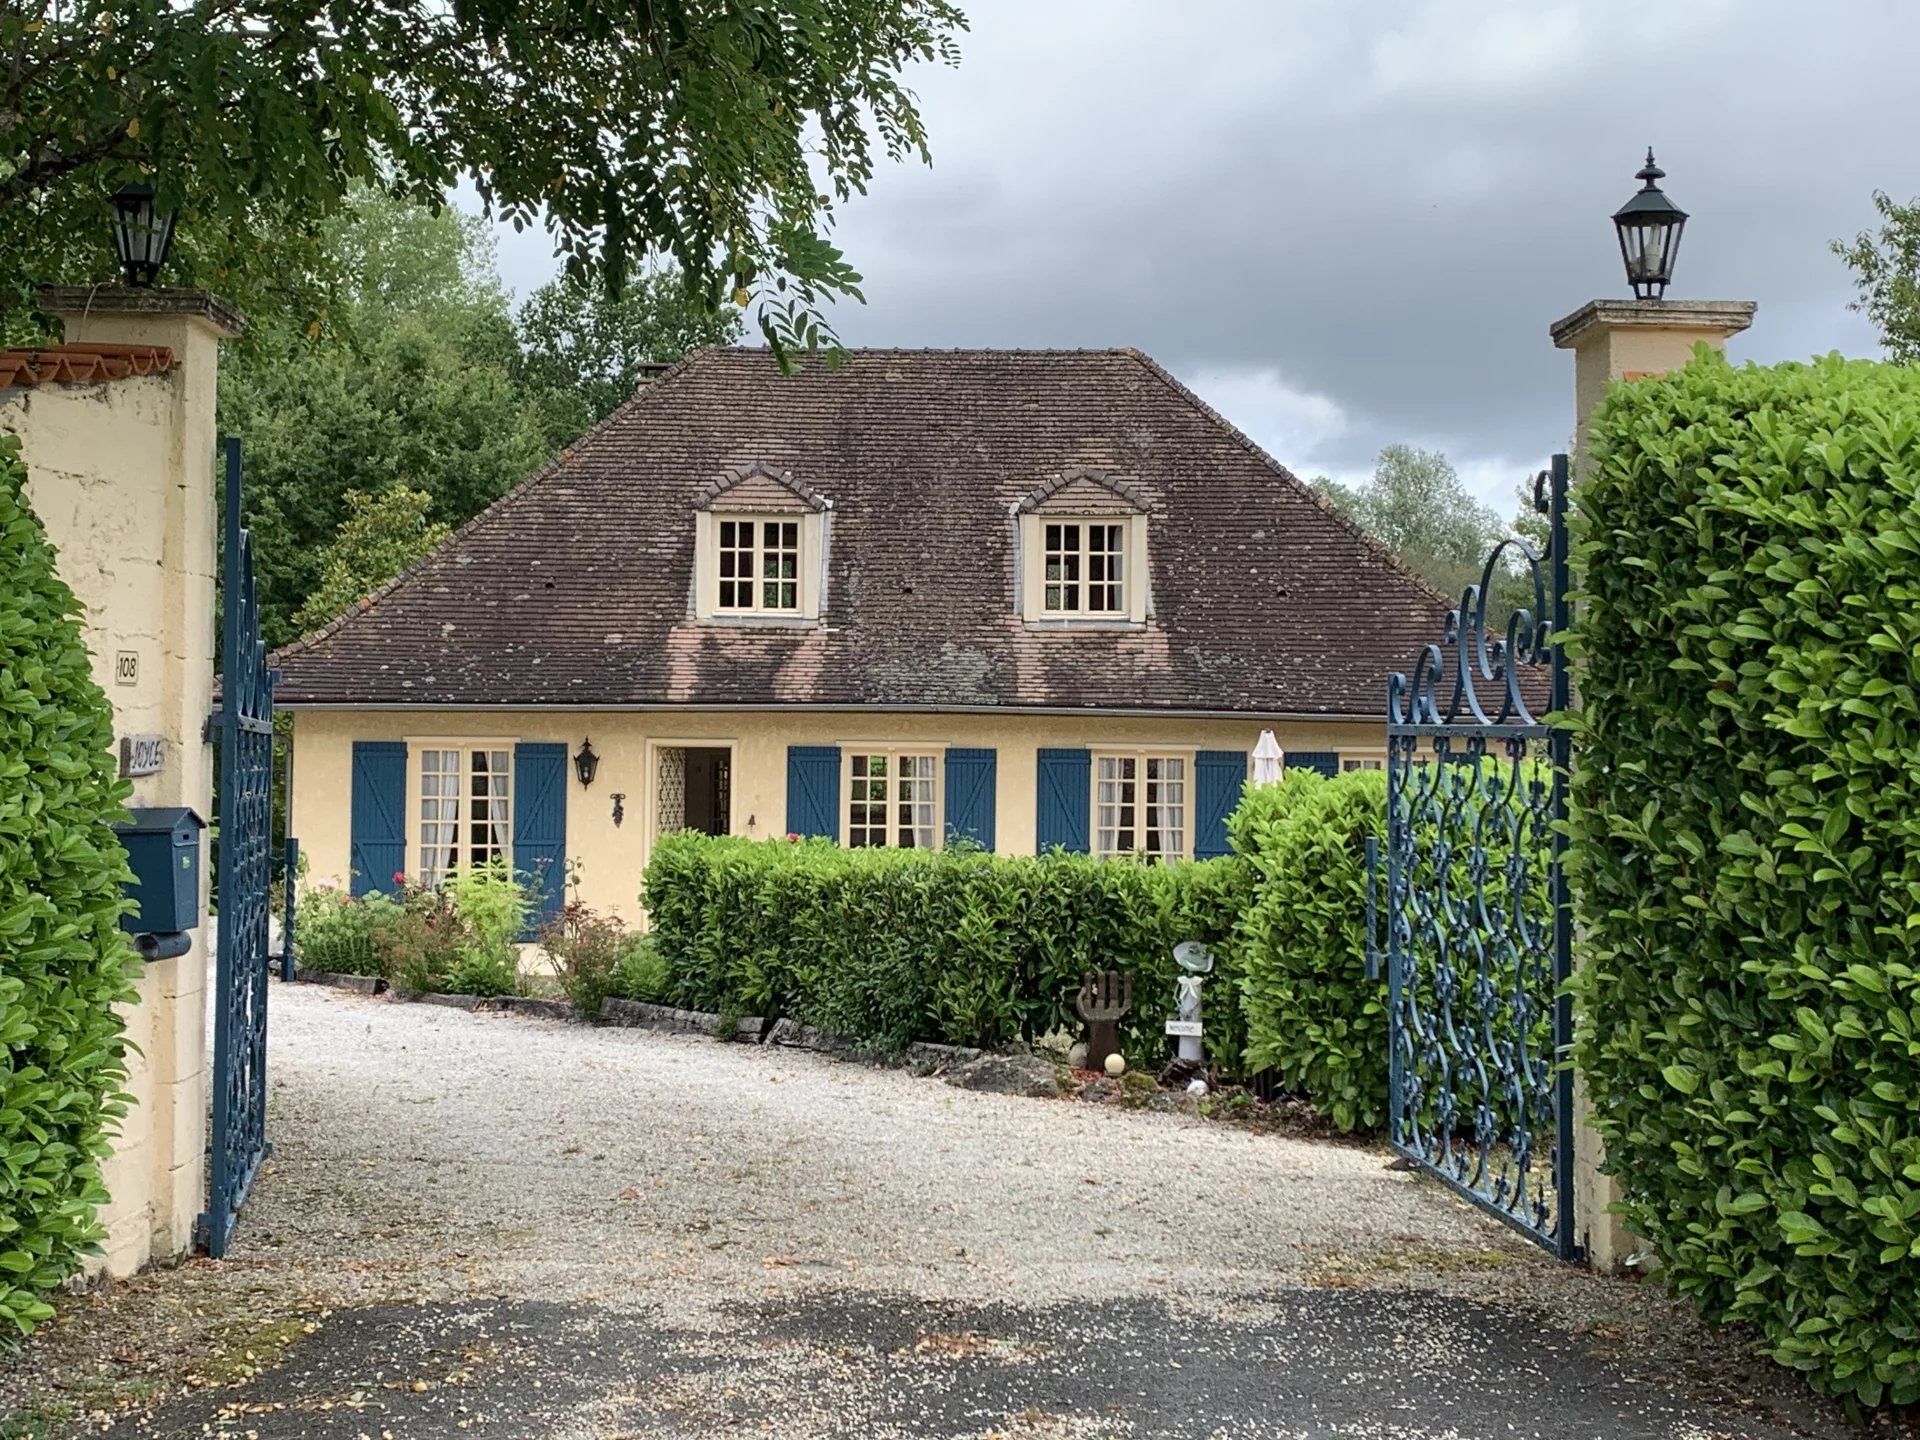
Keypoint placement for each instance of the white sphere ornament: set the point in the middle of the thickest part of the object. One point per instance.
(1116, 1064)
(1196, 1086)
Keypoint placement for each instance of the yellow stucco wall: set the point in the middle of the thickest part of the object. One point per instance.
(121, 475)
(610, 859)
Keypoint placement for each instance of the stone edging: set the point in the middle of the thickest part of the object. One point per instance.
(639, 1014)
(365, 984)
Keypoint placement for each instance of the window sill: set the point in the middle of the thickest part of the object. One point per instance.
(757, 622)
(1058, 625)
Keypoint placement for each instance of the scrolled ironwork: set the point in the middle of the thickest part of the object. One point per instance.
(1496, 665)
(1478, 934)
(244, 731)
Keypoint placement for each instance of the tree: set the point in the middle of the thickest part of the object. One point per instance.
(409, 383)
(1886, 271)
(382, 535)
(1416, 506)
(581, 350)
(719, 132)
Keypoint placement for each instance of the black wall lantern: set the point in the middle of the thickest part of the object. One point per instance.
(586, 764)
(1649, 226)
(141, 234)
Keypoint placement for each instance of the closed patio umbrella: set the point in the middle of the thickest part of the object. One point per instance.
(1268, 762)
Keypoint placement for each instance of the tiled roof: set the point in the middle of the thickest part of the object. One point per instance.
(78, 364)
(576, 587)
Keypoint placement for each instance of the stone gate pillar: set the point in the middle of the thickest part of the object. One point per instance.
(121, 472)
(1616, 340)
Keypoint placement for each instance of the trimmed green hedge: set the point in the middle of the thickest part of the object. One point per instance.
(962, 947)
(968, 948)
(1747, 846)
(63, 959)
(1313, 1017)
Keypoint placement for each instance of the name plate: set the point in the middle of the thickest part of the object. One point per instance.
(1183, 1027)
(142, 755)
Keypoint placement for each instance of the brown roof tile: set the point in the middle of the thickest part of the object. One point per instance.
(574, 588)
(80, 363)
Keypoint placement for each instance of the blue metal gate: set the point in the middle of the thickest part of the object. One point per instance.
(1478, 925)
(243, 729)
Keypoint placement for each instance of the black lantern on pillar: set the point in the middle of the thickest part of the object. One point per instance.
(141, 234)
(1649, 226)
(586, 764)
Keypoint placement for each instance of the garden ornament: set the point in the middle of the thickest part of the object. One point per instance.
(1105, 998)
(1197, 960)
(1116, 1065)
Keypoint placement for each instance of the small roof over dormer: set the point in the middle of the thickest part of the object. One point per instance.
(1084, 491)
(758, 486)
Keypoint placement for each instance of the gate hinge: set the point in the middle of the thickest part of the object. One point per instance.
(210, 732)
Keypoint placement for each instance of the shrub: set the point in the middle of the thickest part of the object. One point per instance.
(586, 948)
(1313, 1017)
(418, 939)
(1746, 848)
(334, 931)
(64, 961)
(641, 973)
(891, 946)
(492, 907)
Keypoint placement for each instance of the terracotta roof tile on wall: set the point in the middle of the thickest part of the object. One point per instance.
(80, 363)
(575, 588)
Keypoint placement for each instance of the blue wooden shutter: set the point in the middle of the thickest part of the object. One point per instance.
(971, 778)
(540, 827)
(813, 790)
(1060, 812)
(1218, 776)
(1327, 762)
(377, 824)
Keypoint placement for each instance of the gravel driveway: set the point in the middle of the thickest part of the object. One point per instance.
(510, 1226)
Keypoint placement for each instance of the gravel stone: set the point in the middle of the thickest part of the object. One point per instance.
(582, 1231)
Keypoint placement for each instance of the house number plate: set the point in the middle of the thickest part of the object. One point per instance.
(142, 754)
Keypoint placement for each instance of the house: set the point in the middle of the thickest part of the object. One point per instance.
(1032, 598)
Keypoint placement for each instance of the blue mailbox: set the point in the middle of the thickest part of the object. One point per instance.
(163, 849)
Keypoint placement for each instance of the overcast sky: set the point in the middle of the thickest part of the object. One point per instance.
(1350, 222)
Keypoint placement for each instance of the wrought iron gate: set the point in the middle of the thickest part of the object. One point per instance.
(1478, 928)
(243, 729)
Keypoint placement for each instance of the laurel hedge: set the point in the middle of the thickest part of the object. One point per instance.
(1746, 847)
(63, 959)
(959, 946)
(1314, 1019)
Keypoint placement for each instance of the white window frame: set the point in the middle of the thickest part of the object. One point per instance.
(1143, 758)
(419, 871)
(708, 528)
(1134, 579)
(1362, 762)
(893, 753)
(1071, 552)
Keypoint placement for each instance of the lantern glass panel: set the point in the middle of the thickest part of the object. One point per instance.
(142, 235)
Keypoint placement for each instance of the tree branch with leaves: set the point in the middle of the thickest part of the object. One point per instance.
(720, 133)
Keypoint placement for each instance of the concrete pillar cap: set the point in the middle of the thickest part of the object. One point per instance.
(1719, 317)
(81, 301)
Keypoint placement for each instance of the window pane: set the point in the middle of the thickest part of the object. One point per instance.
(914, 803)
(735, 564)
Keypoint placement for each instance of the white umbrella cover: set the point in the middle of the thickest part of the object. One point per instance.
(1268, 761)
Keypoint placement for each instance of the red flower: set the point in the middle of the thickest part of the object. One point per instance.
(792, 839)
(399, 877)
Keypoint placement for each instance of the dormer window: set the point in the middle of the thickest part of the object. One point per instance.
(1085, 568)
(760, 542)
(759, 566)
(1083, 552)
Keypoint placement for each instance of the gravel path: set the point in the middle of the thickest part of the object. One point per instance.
(512, 1226)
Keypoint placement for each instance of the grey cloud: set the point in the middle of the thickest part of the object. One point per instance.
(1383, 204)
